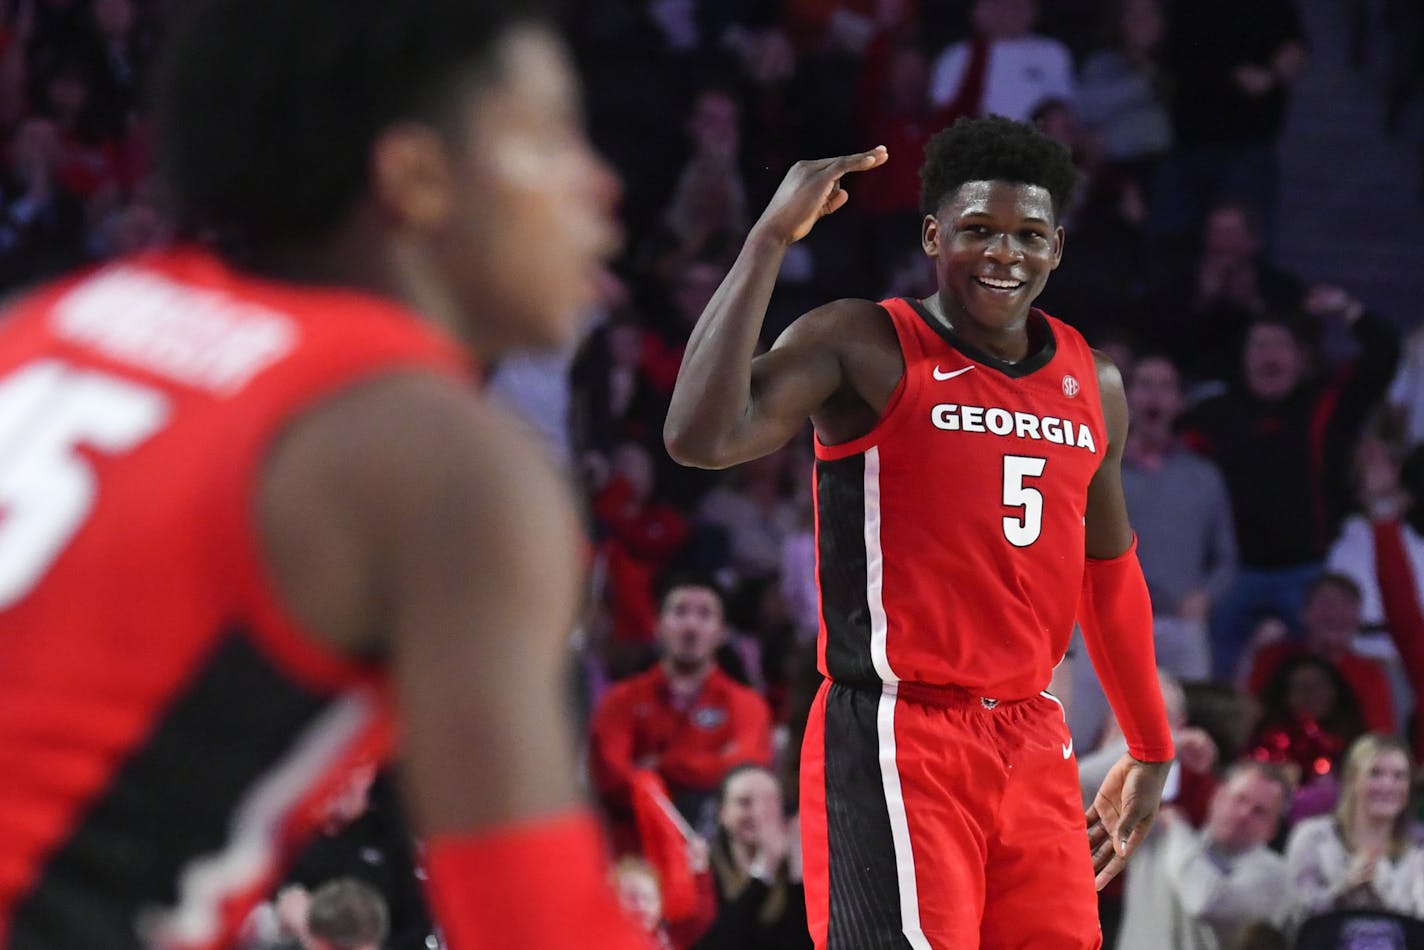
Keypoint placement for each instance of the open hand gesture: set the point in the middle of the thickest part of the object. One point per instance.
(1122, 813)
(810, 190)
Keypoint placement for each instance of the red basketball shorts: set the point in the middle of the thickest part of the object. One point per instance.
(936, 820)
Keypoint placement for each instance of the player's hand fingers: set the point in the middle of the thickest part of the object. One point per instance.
(1131, 832)
(1111, 870)
(859, 162)
(837, 198)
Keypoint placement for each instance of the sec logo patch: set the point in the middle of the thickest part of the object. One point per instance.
(1070, 386)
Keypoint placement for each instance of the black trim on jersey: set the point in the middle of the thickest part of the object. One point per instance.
(840, 566)
(864, 887)
(173, 799)
(1037, 324)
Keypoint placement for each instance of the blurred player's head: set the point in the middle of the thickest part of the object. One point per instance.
(431, 149)
(345, 914)
(1247, 807)
(691, 622)
(992, 191)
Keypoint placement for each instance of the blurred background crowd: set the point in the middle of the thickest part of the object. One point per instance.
(1245, 243)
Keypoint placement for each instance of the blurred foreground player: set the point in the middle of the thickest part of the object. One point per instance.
(968, 495)
(246, 491)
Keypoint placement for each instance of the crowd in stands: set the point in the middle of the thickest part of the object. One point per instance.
(1275, 460)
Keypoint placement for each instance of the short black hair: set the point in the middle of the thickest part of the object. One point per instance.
(699, 579)
(993, 148)
(266, 110)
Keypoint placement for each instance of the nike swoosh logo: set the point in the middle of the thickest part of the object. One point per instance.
(1068, 749)
(943, 376)
(1067, 746)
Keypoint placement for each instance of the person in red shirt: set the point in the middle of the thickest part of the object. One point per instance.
(252, 507)
(685, 718)
(969, 509)
(1331, 618)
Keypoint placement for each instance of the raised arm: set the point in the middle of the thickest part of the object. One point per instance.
(452, 547)
(727, 408)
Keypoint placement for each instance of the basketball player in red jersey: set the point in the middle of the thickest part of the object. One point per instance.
(969, 508)
(247, 491)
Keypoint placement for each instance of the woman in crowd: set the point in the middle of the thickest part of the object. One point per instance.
(761, 904)
(1368, 853)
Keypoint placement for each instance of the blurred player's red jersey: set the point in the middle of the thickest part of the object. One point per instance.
(167, 732)
(950, 539)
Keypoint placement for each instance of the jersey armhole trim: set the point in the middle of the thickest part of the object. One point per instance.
(906, 391)
(296, 649)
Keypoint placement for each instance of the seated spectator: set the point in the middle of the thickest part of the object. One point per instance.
(761, 903)
(1331, 619)
(684, 718)
(1369, 853)
(1200, 889)
(1283, 442)
(1309, 716)
(41, 220)
(346, 915)
(1121, 91)
(1005, 68)
(636, 884)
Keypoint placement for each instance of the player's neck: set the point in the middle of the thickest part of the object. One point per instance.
(1011, 342)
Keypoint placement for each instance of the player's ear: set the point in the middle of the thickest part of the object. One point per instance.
(929, 235)
(1058, 239)
(411, 176)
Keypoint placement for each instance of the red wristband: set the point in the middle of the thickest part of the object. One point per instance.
(1115, 614)
(537, 884)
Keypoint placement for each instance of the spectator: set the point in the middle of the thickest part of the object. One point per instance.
(752, 507)
(1200, 316)
(41, 220)
(1198, 890)
(1369, 853)
(685, 718)
(643, 535)
(1121, 91)
(1309, 716)
(1232, 66)
(1005, 68)
(1182, 513)
(640, 896)
(1404, 412)
(1331, 618)
(1400, 590)
(1283, 442)
(761, 904)
(1380, 479)
(346, 915)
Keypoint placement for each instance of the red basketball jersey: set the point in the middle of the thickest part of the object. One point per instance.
(167, 732)
(950, 538)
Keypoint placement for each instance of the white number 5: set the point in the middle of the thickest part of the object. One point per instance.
(47, 412)
(1023, 531)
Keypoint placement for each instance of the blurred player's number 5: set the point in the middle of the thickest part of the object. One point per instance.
(1025, 529)
(49, 412)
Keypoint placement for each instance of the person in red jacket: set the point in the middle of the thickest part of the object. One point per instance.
(685, 718)
(1331, 618)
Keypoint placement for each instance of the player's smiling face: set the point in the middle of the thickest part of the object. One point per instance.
(994, 245)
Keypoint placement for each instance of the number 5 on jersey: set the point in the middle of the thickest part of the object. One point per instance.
(48, 411)
(1024, 530)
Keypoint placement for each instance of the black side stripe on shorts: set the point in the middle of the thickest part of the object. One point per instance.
(864, 886)
(841, 569)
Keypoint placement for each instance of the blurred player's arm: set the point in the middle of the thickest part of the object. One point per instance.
(1115, 615)
(727, 408)
(406, 519)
